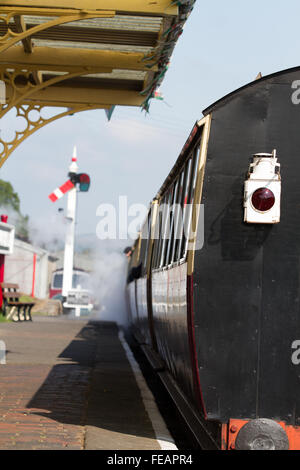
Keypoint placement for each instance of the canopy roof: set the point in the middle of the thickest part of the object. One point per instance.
(75, 55)
(99, 52)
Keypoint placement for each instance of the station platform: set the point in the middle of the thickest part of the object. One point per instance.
(72, 384)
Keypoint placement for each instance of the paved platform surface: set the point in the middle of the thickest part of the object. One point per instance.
(67, 384)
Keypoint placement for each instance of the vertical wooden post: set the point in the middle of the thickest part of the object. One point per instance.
(2, 257)
(2, 264)
(33, 274)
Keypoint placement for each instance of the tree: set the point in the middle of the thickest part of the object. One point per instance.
(8, 198)
(10, 202)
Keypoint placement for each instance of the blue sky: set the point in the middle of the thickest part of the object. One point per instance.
(224, 45)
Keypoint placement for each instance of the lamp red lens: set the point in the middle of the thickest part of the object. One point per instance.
(263, 199)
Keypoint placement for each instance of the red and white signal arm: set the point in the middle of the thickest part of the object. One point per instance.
(262, 195)
(7, 238)
(59, 192)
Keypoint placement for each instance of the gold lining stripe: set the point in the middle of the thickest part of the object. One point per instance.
(206, 122)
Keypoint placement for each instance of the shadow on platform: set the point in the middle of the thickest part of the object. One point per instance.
(94, 386)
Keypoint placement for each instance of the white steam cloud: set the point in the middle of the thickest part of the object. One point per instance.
(48, 232)
(109, 281)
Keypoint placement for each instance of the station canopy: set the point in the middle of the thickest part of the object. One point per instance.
(83, 54)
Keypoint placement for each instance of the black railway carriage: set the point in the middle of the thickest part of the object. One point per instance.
(220, 320)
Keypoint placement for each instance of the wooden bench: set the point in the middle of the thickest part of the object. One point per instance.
(11, 299)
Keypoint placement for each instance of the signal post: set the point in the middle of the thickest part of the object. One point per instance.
(82, 181)
(70, 230)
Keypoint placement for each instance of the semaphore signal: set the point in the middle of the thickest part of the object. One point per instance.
(77, 182)
(61, 191)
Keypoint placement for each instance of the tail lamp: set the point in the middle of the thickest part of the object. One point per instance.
(262, 193)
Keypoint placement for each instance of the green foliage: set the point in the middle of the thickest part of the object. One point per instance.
(26, 298)
(8, 198)
(10, 201)
(22, 227)
(3, 319)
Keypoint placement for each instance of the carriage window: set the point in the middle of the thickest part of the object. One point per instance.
(177, 218)
(196, 157)
(57, 281)
(174, 218)
(184, 202)
(160, 215)
(143, 250)
(163, 212)
(173, 214)
(166, 228)
(147, 236)
(191, 195)
(156, 245)
(136, 253)
(80, 279)
(157, 239)
(180, 219)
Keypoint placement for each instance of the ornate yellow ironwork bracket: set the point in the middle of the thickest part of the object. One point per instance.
(34, 121)
(22, 84)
